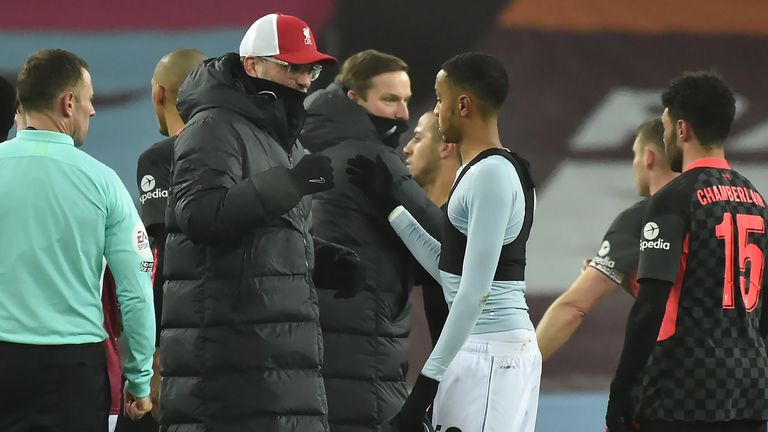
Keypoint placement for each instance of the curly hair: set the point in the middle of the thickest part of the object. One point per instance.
(704, 101)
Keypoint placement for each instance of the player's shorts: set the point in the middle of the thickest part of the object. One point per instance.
(491, 385)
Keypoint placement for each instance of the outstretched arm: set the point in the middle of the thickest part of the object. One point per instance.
(565, 315)
(422, 246)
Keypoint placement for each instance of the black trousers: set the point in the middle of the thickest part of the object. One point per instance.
(731, 426)
(53, 388)
(144, 424)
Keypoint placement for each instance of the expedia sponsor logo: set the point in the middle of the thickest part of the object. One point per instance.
(157, 193)
(650, 231)
(652, 240)
(604, 248)
(147, 183)
(605, 262)
(658, 244)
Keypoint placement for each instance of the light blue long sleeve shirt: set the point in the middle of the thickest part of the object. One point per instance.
(487, 206)
(62, 212)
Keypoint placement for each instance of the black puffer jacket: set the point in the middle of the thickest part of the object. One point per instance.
(365, 337)
(241, 346)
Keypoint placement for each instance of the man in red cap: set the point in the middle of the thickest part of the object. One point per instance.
(240, 336)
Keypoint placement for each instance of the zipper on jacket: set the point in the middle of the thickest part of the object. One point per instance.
(290, 160)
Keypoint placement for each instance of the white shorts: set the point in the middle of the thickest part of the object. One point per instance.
(491, 386)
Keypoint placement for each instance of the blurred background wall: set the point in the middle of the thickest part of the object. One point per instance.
(583, 74)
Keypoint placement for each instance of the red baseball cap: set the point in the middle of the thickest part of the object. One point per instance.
(284, 37)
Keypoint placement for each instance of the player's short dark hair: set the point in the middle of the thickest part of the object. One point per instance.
(703, 100)
(482, 74)
(358, 70)
(652, 132)
(7, 107)
(44, 75)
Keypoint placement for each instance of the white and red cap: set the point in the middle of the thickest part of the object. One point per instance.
(284, 37)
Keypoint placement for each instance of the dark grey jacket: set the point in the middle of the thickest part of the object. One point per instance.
(365, 337)
(241, 346)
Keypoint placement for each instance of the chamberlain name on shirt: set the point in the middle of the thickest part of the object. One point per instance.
(716, 193)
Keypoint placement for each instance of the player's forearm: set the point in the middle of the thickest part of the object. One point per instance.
(556, 326)
(642, 331)
(137, 309)
(210, 213)
(138, 317)
(422, 246)
(462, 318)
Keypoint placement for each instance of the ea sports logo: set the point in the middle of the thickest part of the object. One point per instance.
(147, 183)
(604, 249)
(650, 231)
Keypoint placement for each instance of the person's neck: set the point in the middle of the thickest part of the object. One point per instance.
(659, 179)
(173, 121)
(47, 122)
(480, 135)
(694, 151)
(440, 188)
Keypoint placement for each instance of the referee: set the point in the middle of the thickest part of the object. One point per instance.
(62, 213)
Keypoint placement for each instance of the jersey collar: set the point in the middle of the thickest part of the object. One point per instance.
(708, 163)
(45, 135)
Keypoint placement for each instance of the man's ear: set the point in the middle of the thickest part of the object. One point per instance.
(67, 103)
(446, 150)
(465, 104)
(649, 156)
(684, 131)
(159, 95)
(252, 66)
(353, 96)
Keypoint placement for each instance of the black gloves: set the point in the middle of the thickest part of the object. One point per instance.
(619, 415)
(313, 173)
(375, 180)
(411, 415)
(338, 268)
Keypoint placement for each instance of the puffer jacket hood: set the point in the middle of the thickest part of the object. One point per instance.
(221, 82)
(341, 120)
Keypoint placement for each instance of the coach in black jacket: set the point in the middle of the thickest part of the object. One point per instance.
(241, 338)
(364, 112)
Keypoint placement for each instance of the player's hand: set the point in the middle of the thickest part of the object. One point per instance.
(375, 180)
(338, 268)
(135, 408)
(411, 416)
(313, 173)
(619, 415)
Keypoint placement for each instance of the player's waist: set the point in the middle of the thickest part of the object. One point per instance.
(501, 320)
(505, 343)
